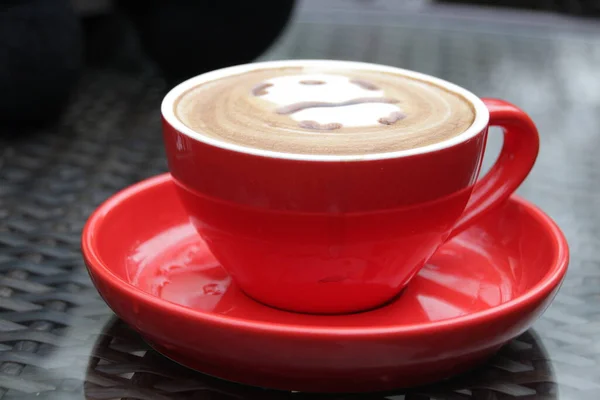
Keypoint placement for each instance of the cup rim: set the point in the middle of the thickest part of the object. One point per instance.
(480, 121)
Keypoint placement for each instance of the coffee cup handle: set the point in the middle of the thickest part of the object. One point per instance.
(516, 159)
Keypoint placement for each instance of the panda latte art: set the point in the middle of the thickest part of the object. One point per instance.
(329, 111)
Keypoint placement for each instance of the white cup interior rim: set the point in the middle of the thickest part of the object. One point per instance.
(167, 108)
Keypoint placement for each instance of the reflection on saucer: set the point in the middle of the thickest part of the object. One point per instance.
(460, 279)
(122, 365)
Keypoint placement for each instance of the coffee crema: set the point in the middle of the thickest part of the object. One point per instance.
(324, 111)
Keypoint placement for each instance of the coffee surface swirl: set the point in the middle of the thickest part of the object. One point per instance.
(324, 111)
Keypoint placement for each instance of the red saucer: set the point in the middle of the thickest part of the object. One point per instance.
(480, 290)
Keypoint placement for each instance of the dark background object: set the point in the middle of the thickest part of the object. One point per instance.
(41, 45)
(587, 8)
(189, 37)
(40, 59)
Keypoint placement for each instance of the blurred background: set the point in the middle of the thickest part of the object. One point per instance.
(46, 44)
(80, 88)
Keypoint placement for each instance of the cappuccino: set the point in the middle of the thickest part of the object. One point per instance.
(324, 110)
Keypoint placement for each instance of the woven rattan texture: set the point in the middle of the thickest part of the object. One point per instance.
(59, 341)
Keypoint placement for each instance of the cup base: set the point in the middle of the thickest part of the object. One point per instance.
(335, 310)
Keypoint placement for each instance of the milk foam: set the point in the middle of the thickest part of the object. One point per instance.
(324, 111)
(286, 90)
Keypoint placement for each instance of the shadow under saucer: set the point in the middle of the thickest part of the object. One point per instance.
(122, 365)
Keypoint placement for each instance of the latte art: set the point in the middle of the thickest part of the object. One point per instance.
(305, 104)
(304, 110)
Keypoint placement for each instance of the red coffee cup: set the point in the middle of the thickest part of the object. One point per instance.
(339, 234)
